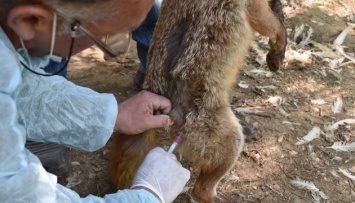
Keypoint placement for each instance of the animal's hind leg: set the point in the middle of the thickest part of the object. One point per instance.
(267, 19)
(208, 179)
(223, 155)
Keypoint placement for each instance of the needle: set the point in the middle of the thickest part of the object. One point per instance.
(176, 141)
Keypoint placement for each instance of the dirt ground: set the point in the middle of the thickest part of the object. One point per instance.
(314, 90)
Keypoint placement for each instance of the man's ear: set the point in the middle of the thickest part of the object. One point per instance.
(25, 20)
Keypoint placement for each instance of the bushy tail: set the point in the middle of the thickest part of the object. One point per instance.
(127, 153)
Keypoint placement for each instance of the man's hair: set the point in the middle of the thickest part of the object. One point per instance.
(82, 10)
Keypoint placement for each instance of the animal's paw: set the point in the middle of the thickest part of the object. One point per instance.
(274, 60)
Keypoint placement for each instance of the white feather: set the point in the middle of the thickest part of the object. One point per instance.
(73, 180)
(311, 135)
(302, 184)
(288, 122)
(318, 101)
(347, 174)
(231, 178)
(307, 40)
(283, 112)
(343, 146)
(341, 51)
(261, 59)
(275, 100)
(336, 125)
(261, 72)
(338, 105)
(243, 85)
(266, 87)
(298, 31)
(334, 64)
(341, 37)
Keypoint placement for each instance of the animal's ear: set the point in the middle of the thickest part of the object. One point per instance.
(25, 20)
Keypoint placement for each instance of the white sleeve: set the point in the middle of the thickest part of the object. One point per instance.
(122, 196)
(54, 109)
(23, 178)
(21, 173)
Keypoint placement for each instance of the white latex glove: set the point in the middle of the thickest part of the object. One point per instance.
(161, 173)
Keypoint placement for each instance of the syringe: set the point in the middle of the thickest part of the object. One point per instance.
(176, 141)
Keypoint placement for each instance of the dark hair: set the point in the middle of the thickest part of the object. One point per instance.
(6, 5)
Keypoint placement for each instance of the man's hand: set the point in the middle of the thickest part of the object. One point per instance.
(162, 175)
(137, 114)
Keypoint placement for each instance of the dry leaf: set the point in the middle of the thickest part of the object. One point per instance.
(305, 57)
(326, 51)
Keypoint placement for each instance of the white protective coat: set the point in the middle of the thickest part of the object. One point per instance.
(48, 109)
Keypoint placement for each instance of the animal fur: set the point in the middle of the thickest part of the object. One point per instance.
(194, 58)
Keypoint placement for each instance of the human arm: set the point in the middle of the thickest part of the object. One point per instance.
(54, 109)
(23, 178)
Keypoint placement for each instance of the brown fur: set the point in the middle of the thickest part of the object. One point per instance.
(127, 154)
(194, 58)
(267, 19)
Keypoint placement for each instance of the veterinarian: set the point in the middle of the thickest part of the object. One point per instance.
(51, 109)
(55, 158)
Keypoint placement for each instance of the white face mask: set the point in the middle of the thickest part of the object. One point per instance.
(35, 62)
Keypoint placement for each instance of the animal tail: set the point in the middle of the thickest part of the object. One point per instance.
(127, 153)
